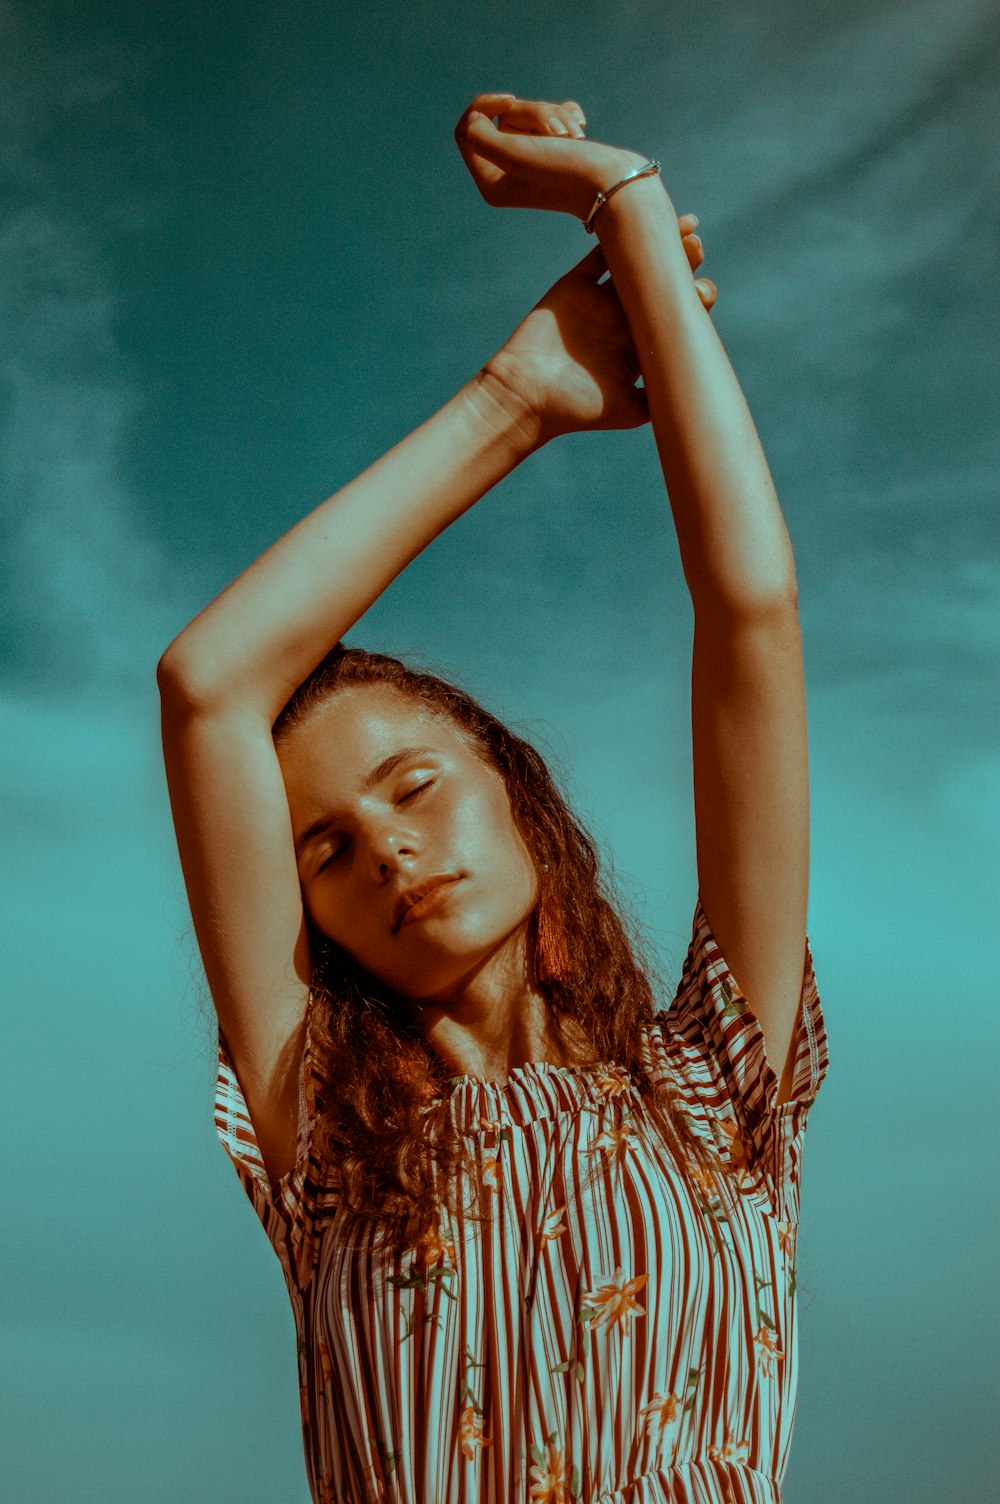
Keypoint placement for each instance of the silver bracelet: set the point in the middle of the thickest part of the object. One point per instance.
(651, 168)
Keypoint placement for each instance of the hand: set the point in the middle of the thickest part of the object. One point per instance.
(537, 156)
(571, 365)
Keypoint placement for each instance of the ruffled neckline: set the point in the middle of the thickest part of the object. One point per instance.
(533, 1091)
(529, 1068)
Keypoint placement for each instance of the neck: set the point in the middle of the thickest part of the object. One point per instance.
(492, 1019)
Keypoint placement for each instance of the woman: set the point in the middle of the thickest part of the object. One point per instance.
(538, 1238)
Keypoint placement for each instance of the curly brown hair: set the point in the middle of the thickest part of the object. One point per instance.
(376, 1077)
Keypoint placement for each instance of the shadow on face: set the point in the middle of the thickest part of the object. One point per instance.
(408, 854)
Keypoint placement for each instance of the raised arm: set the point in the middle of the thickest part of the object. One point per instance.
(748, 709)
(223, 682)
(225, 678)
(748, 701)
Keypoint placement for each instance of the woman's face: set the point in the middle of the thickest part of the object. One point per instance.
(408, 854)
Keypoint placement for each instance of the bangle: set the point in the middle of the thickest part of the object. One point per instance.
(651, 168)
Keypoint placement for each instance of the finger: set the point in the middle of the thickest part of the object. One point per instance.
(514, 149)
(551, 127)
(486, 105)
(574, 108)
(695, 251)
(484, 102)
(484, 172)
(539, 118)
(504, 151)
(542, 118)
(707, 291)
(527, 116)
(569, 117)
(687, 223)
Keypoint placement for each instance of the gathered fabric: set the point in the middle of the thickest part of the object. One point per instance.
(613, 1334)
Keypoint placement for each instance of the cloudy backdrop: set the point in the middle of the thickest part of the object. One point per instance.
(239, 258)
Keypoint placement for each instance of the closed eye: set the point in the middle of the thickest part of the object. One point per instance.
(418, 790)
(328, 860)
(404, 799)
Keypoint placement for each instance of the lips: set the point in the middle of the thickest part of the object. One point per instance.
(421, 899)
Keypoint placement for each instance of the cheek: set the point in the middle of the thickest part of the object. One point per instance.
(505, 863)
(330, 909)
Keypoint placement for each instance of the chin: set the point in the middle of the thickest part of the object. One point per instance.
(447, 973)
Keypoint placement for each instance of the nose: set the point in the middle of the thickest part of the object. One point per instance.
(390, 851)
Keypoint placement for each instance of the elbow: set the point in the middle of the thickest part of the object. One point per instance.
(183, 680)
(778, 601)
(749, 577)
(194, 682)
(166, 672)
(774, 602)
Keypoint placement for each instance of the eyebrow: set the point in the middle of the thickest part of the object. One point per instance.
(385, 767)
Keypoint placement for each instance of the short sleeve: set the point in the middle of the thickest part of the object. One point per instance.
(294, 1209)
(712, 1038)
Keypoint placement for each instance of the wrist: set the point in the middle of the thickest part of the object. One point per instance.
(501, 395)
(646, 195)
(603, 168)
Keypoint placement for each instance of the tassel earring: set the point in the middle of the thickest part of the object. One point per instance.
(551, 953)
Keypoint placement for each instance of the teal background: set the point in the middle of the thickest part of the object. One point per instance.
(240, 257)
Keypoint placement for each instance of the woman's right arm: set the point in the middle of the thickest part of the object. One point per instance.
(225, 678)
(257, 641)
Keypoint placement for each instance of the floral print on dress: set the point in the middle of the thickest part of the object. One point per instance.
(490, 1159)
(701, 1385)
(470, 1427)
(435, 1245)
(550, 1482)
(662, 1411)
(736, 1151)
(432, 1263)
(609, 1305)
(615, 1141)
(614, 1303)
(712, 1205)
(611, 1081)
(470, 1431)
(488, 1174)
(786, 1245)
(730, 1451)
(766, 1336)
(554, 1225)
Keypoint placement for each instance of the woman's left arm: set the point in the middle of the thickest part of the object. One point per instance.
(748, 700)
(751, 786)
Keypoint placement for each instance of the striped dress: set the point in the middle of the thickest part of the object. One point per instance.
(609, 1338)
